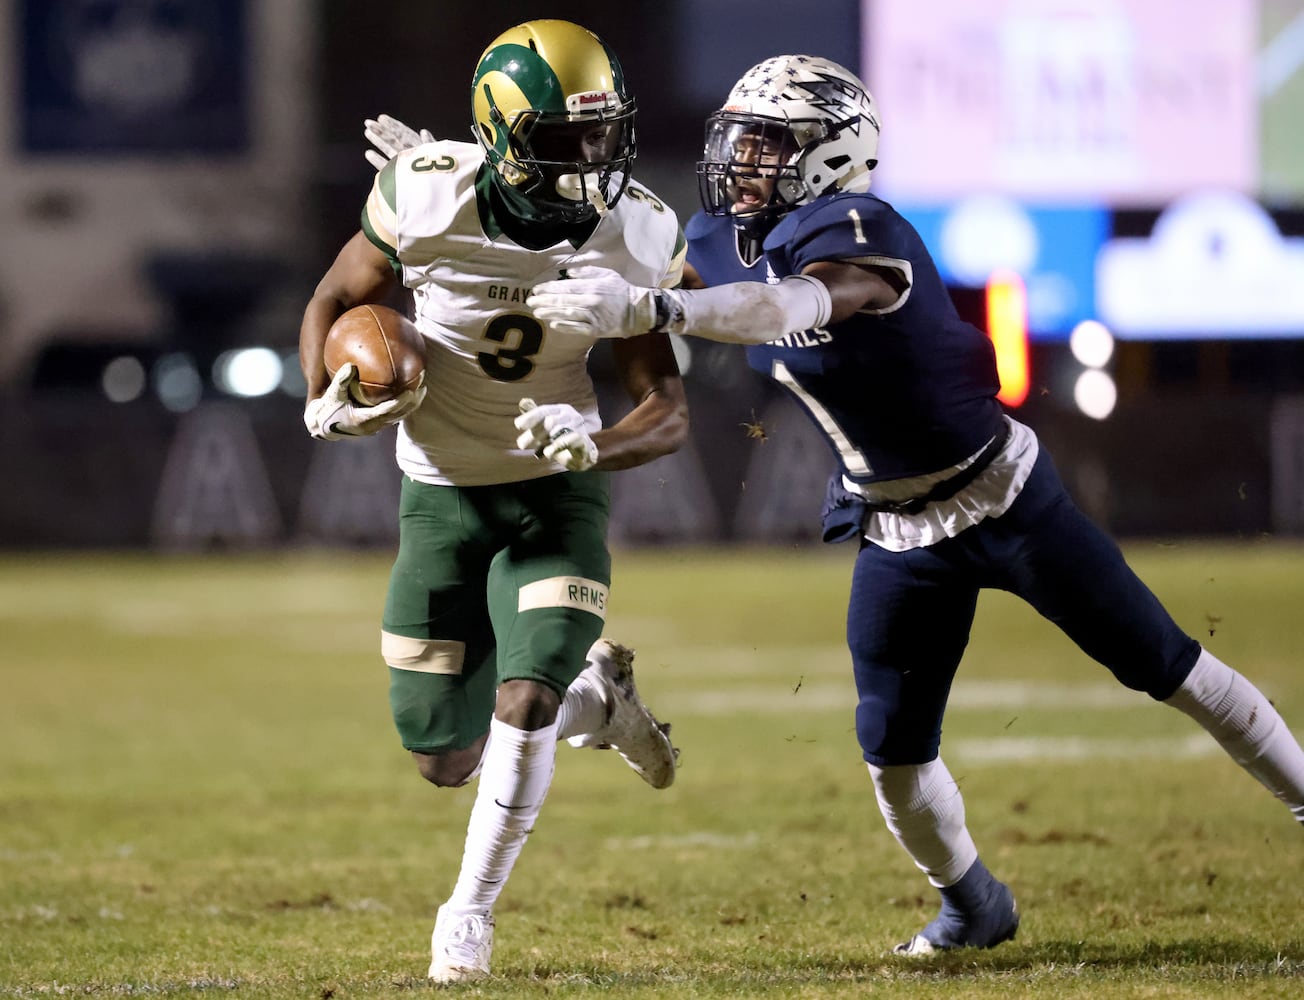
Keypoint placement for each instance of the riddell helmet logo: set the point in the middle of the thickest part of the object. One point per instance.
(592, 98)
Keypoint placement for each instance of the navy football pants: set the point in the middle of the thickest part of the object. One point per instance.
(910, 614)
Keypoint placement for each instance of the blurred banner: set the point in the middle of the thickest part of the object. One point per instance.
(133, 76)
(1125, 103)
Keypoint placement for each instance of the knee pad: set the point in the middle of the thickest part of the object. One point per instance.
(440, 700)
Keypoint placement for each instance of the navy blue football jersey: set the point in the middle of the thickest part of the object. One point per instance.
(906, 392)
(715, 253)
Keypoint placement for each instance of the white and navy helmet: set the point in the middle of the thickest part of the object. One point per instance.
(819, 114)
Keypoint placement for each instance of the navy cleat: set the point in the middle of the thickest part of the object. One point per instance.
(977, 912)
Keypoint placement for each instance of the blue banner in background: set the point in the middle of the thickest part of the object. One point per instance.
(133, 76)
(1053, 248)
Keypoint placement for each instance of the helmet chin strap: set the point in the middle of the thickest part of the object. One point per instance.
(525, 213)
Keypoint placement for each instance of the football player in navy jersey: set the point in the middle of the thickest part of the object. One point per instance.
(836, 298)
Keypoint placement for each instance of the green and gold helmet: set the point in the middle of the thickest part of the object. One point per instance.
(555, 120)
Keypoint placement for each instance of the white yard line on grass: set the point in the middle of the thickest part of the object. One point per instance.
(825, 697)
(967, 696)
(701, 838)
(1074, 748)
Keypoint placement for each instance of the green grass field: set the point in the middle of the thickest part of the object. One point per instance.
(201, 793)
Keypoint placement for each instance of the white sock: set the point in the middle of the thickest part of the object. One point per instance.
(517, 771)
(1243, 721)
(484, 753)
(584, 708)
(923, 808)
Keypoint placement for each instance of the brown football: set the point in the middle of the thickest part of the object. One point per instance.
(386, 347)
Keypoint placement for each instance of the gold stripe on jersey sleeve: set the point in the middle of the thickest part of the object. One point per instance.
(380, 216)
(674, 276)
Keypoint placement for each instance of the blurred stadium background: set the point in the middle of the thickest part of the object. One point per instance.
(1114, 189)
(199, 785)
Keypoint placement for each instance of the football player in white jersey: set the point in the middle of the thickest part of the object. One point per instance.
(499, 590)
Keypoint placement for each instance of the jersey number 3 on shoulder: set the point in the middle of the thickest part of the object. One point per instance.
(520, 337)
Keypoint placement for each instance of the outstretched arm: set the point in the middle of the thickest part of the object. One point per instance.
(598, 302)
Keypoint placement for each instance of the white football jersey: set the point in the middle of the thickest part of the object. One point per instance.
(484, 350)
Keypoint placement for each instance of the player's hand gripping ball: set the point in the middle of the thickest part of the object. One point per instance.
(385, 347)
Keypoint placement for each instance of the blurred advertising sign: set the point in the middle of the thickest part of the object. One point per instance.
(133, 76)
(1122, 101)
(1215, 265)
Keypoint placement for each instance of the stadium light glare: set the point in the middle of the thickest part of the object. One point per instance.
(1092, 343)
(1095, 393)
(177, 382)
(247, 371)
(123, 379)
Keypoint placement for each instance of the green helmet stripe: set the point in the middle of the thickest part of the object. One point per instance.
(617, 72)
(525, 68)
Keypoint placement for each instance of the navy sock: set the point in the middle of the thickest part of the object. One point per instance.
(972, 893)
(978, 911)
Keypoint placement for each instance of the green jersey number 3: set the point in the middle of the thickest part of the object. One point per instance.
(520, 337)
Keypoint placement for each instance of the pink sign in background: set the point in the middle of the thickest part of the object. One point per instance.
(1133, 102)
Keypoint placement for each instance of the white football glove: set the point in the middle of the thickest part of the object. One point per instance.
(594, 302)
(391, 137)
(555, 431)
(335, 414)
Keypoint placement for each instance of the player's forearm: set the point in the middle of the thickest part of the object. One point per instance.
(360, 273)
(318, 316)
(657, 426)
(745, 312)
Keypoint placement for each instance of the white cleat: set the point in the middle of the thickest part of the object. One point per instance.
(917, 946)
(631, 730)
(460, 946)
